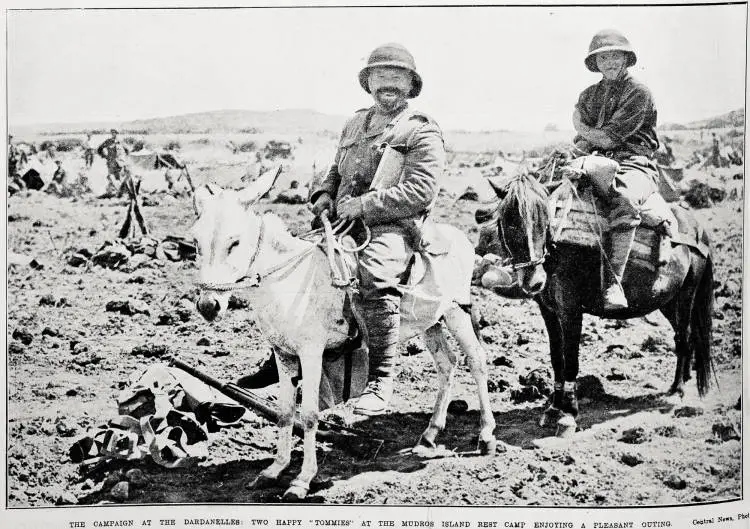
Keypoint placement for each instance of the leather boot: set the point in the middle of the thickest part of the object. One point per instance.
(266, 375)
(620, 244)
(382, 320)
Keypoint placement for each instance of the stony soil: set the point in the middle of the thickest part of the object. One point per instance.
(68, 358)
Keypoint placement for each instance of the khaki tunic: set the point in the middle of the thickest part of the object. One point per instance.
(395, 215)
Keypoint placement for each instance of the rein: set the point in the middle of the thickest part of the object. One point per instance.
(329, 239)
(252, 279)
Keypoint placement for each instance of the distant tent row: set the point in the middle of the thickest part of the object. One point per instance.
(146, 159)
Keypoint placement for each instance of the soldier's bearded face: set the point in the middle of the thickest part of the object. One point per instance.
(389, 86)
(611, 63)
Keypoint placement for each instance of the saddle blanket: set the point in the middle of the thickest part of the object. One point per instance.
(580, 220)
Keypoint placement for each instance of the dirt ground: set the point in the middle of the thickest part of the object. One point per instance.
(64, 381)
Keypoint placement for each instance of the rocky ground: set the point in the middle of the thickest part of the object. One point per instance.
(68, 358)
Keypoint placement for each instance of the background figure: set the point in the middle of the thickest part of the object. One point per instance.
(88, 151)
(115, 153)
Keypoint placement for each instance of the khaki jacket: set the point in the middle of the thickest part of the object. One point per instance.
(414, 134)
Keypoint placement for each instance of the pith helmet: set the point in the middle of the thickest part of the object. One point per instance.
(609, 40)
(392, 55)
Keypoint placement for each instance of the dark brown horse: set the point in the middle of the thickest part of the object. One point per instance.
(565, 281)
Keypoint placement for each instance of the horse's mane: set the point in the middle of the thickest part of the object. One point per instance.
(527, 193)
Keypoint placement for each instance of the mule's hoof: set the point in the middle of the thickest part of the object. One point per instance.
(260, 482)
(566, 427)
(488, 448)
(426, 443)
(297, 491)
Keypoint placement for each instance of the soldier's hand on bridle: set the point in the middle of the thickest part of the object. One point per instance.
(324, 202)
(349, 208)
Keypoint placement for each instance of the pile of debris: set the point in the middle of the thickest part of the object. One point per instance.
(130, 254)
(164, 415)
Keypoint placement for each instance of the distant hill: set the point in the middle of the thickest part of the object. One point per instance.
(279, 121)
(735, 118)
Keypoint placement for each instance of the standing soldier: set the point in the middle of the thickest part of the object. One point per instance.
(16, 158)
(617, 118)
(88, 151)
(115, 152)
(395, 213)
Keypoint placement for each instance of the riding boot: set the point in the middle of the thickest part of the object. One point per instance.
(620, 244)
(382, 322)
(266, 375)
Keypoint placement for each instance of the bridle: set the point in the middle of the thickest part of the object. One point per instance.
(533, 261)
(253, 279)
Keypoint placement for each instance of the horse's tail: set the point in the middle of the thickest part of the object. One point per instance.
(701, 327)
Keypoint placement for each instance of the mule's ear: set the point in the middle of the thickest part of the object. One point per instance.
(200, 196)
(498, 188)
(253, 192)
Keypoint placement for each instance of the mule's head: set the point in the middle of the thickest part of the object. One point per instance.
(522, 228)
(227, 235)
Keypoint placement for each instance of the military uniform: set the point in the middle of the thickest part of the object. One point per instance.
(622, 109)
(394, 215)
(115, 153)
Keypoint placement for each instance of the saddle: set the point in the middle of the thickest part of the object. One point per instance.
(580, 219)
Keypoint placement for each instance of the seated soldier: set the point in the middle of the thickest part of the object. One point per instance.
(617, 118)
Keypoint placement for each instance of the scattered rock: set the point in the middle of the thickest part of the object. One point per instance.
(634, 436)
(136, 280)
(14, 217)
(631, 460)
(590, 387)
(48, 300)
(205, 342)
(726, 430)
(458, 407)
(616, 375)
(497, 386)
(128, 307)
(112, 255)
(502, 361)
(219, 353)
(14, 349)
(413, 348)
(87, 359)
(613, 347)
(71, 392)
(667, 431)
(522, 339)
(22, 336)
(237, 303)
(167, 318)
(136, 477)
(702, 195)
(688, 411)
(113, 479)
(64, 429)
(673, 481)
(48, 331)
(651, 345)
(121, 491)
(151, 351)
(66, 498)
(716, 470)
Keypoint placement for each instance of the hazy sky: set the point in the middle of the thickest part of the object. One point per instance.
(483, 67)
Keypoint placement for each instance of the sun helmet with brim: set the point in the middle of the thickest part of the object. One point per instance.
(609, 40)
(396, 56)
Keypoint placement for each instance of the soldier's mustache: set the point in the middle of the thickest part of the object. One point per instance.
(388, 90)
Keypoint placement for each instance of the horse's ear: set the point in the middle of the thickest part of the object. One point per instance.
(498, 188)
(255, 190)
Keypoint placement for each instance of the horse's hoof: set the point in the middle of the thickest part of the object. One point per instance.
(548, 417)
(260, 482)
(488, 448)
(566, 427)
(297, 491)
(426, 443)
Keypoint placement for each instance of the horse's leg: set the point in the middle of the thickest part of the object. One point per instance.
(311, 359)
(570, 324)
(445, 364)
(677, 311)
(554, 333)
(459, 323)
(287, 366)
